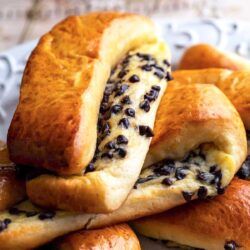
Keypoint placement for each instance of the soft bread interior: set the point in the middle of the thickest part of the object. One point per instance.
(125, 131)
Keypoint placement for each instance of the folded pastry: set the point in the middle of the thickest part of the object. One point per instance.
(203, 56)
(117, 237)
(91, 127)
(221, 223)
(201, 142)
(12, 185)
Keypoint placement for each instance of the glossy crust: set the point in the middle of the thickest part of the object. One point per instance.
(205, 224)
(193, 115)
(55, 123)
(117, 237)
(12, 189)
(145, 200)
(235, 85)
(202, 56)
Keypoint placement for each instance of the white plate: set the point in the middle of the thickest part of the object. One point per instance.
(179, 34)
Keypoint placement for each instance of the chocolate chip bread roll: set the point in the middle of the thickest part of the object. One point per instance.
(207, 143)
(12, 185)
(218, 224)
(115, 237)
(235, 85)
(202, 56)
(88, 102)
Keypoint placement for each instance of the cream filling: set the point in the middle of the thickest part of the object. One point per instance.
(207, 166)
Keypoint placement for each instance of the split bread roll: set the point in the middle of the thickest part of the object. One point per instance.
(117, 237)
(75, 118)
(12, 185)
(218, 224)
(203, 56)
(208, 145)
(235, 85)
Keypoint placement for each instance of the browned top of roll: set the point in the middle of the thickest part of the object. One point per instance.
(206, 224)
(115, 237)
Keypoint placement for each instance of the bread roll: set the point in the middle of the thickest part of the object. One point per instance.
(12, 186)
(58, 126)
(218, 224)
(117, 237)
(211, 157)
(235, 85)
(202, 56)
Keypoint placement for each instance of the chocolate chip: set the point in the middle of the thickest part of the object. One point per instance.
(202, 192)
(90, 168)
(187, 195)
(145, 179)
(31, 213)
(121, 139)
(231, 245)
(180, 173)
(244, 171)
(124, 122)
(159, 74)
(158, 68)
(122, 152)
(110, 145)
(134, 78)
(122, 73)
(156, 87)
(121, 89)
(152, 95)
(169, 77)
(106, 129)
(46, 215)
(3, 225)
(144, 56)
(115, 109)
(108, 154)
(104, 107)
(164, 169)
(145, 105)
(126, 100)
(166, 62)
(167, 181)
(213, 169)
(145, 130)
(220, 190)
(130, 112)
(14, 211)
(146, 67)
(202, 176)
(217, 177)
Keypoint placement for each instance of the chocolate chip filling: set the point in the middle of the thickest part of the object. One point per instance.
(187, 195)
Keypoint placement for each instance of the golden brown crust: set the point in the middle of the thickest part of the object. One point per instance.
(205, 224)
(117, 237)
(192, 115)
(202, 56)
(55, 123)
(235, 85)
(12, 190)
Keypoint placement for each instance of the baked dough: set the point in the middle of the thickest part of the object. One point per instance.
(218, 224)
(55, 123)
(124, 127)
(235, 85)
(224, 146)
(202, 56)
(12, 186)
(117, 237)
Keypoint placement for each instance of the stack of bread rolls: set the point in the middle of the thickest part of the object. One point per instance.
(104, 134)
